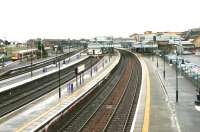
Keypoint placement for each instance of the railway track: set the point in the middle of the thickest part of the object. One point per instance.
(83, 107)
(14, 99)
(28, 68)
(111, 107)
(126, 106)
(99, 110)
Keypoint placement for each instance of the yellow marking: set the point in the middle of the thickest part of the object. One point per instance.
(45, 113)
(31, 122)
(146, 122)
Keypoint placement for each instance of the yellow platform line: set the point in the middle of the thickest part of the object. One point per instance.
(47, 112)
(147, 111)
(32, 121)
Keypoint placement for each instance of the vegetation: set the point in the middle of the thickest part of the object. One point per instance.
(40, 47)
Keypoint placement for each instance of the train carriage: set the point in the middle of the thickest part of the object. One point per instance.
(22, 54)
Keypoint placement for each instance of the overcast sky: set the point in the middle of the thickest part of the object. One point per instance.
(24, 19)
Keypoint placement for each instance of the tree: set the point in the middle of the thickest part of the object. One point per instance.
(6, 42)
(40, 47)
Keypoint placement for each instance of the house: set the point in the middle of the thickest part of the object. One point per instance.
(193, 35)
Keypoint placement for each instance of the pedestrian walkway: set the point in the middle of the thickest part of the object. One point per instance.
(167, 115)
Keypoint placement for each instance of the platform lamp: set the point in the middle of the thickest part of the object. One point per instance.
(31, 61)
(91, 64)
(59, 77)
(164, 66)
(177, 75)
(197, 75)
(157, 53)
(56, 59)
(59, 59)
(197, 102)
(42, 47)
(68, 45)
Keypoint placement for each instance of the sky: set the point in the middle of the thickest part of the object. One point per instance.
(75, 19)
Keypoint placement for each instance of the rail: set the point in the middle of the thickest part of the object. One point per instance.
(49, 120)
(106, 112)
(10, 102)
(28, 68)
(125, 108)
(84, 115)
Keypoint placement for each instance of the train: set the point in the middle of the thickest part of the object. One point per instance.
(22, 54)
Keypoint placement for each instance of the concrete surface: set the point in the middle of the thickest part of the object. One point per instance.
(166, 112)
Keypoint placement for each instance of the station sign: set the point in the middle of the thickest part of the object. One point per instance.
(79, 69)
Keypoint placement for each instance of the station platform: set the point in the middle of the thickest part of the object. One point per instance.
(158, 110)
(41, 112)
(186, 115)
(162, 113)
(24, 78)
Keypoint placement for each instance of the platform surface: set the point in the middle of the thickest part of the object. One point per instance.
(166, 114)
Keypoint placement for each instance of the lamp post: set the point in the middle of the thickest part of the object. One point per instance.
(176, 78)
(164, 66)
(91, 67)
(3, 62)
(56, 56)
(152, 51)
(42, 46)
(157, 57)
(59, 89)
(198, 82)
(177, 75)
(59, 79)
(197, 102)
(177, 91)
(68, 45)
(31, 61)
(154, 41)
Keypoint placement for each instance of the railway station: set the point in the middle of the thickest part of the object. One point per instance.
(99, 66)
(103, 88)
